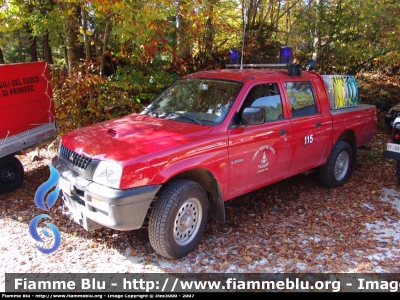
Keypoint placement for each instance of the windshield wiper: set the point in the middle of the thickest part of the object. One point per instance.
(180, 115)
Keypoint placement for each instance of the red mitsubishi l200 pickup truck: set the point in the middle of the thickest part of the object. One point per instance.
(209, 137)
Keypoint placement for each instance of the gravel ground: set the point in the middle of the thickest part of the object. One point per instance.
(294, 226)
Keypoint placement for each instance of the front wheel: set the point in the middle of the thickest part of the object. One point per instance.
(178, 219)
(337, 169)
(11, 174)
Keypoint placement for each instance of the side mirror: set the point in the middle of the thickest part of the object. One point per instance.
(253, 116)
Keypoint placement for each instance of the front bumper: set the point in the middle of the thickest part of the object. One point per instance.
(93, 205)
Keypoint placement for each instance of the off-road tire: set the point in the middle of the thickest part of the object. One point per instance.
(338, 167)
(11, 174)
(178, 219)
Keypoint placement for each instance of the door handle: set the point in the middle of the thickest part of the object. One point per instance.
(282, 131)
(318, 124)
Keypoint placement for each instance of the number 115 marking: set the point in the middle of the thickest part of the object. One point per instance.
(308, 139)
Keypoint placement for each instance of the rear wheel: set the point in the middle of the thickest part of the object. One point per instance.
(337, 169)
(178, 219)
(11, 174)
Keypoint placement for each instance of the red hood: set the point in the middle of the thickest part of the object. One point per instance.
(131, 136)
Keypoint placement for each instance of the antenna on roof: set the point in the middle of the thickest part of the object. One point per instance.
(244, 33)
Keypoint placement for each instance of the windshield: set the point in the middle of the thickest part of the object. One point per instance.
(200, 101)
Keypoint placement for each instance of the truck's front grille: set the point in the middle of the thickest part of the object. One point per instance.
(74, 158)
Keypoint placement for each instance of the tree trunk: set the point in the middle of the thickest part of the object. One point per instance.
(32, 44)
(209, 39)
(48, 56)
(74, 48)
(1, 57)
(183, 40)
(184, 44)
(105, 42)
(86, 36)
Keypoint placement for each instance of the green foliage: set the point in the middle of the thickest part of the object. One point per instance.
(82, 97)
(347, 36)
(10, 12)
(17, 51)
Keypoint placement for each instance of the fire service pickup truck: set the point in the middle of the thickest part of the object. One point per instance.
(209, 137)
(27, 117)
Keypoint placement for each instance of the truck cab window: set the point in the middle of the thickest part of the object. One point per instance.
(266, 96)
(301, 97)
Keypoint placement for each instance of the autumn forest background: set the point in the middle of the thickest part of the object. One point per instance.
(110, 58)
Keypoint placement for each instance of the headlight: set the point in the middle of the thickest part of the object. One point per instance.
(108, 173)
(397, 126)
